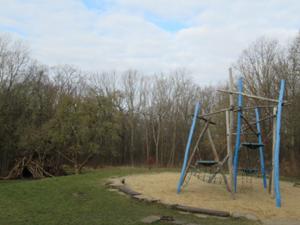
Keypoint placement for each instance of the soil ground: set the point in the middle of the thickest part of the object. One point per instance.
(250, 199)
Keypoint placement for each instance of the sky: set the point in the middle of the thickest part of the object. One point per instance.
(151, 36)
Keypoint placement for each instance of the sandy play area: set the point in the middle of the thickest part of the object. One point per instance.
(251, 198)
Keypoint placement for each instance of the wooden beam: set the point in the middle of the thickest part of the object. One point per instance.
(249, 125)
(229, 152)
(253, 107)
(251, 96)
(203, 211)
(229, 132)
(125, 189)
(215, 112)
(206, 120)
(213, 145)
(195, 149)
(271, 179)
(263, 119)
(235, 109)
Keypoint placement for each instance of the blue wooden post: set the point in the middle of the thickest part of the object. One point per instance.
(261, 148)
(188, 146)
(238, 134)
(277, 145)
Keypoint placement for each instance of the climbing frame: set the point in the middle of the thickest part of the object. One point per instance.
(243, 124)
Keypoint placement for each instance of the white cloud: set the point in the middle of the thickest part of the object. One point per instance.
(178, 9)
(121, 37)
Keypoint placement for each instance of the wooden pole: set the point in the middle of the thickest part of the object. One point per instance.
(229, 132)
(251, 96)
(238, 134)
(195, 149)
(188, 146)
(213, 145)
(277, 146)
(229, 153)
(271, 180)
(261, 148)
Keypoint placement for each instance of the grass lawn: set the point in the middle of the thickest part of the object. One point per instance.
(81, 200)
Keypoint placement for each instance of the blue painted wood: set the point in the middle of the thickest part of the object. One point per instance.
(238, 134)
(188, 146)
(277, 145)
(261, 148)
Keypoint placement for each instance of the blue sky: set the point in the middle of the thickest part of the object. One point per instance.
(152, 36)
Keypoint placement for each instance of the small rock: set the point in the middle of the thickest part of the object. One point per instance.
(145, 198)
(251, 217)
(168, 205)
(179, 222)
(166, 218)
(113, 190)
(150, 219)
(78, 194)
(201, 215)
(244, 215)
(184, 213)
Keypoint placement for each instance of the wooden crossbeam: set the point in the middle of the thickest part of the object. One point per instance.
(212, 145)
(263, 119)
(219, 169)
(235, 109)
(249, 125)
(251, 96)
(195, 149)
(215, 112)
(206, 120)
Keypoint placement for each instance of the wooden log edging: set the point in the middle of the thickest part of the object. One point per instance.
(210, 212)
(296, 184)
(125, 189)
(138, 196)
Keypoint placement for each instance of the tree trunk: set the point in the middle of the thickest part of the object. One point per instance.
(156, 137)
(132, 150)
(172, 155)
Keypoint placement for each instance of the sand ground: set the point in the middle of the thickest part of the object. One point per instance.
(251, 197)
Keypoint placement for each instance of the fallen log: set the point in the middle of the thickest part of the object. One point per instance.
(210, 212)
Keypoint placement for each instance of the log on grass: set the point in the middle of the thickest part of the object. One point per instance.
(125, 189)
(203, 211)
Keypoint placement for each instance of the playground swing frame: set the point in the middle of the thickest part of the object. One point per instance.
(233, 156)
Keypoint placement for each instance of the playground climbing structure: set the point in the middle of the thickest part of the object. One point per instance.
(245, 147)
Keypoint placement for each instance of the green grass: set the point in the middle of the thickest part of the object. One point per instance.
(81, 200)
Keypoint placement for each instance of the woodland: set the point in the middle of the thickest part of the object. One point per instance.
(53, 116)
